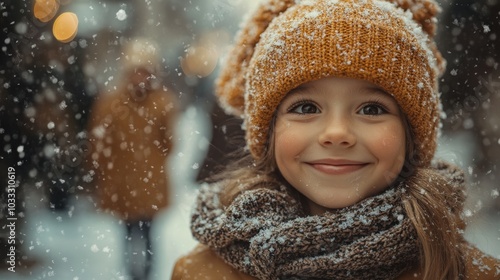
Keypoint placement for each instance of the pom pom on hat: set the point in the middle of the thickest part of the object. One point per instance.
(230, 85)
(286, 43)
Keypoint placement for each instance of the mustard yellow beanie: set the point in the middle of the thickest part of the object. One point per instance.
(285, 43)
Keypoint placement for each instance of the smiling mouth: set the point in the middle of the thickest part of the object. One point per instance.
(337, 169)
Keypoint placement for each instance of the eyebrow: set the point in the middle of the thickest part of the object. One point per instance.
(375, 90)
(298, 89)
(368, 90)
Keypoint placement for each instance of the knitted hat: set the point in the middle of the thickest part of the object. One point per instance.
(286, 43)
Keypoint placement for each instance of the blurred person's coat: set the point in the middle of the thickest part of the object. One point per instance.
(131, 132)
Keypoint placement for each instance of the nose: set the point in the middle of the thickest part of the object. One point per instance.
(337, 131)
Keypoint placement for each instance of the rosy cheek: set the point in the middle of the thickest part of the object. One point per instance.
(388, 141)
(283, 135)
(287, 138)
(391, 141)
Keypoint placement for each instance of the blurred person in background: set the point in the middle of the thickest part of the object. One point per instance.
(56, 120)
(131, 133)
(42, 110)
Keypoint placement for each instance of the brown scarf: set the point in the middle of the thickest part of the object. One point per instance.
(264, 233)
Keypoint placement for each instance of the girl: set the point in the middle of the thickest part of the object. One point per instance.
(340, 104)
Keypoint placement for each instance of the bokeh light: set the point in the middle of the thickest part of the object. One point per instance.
(199, 61)
(202, 57)
(65, 27)
(45, 10)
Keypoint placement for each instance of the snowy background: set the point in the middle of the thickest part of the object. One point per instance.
(84, 244)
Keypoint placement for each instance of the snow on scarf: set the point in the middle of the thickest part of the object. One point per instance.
(264, 233)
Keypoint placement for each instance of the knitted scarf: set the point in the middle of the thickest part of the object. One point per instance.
(264, 233)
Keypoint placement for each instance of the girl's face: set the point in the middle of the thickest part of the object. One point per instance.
(338, 141)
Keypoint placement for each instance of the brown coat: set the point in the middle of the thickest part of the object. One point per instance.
(131, 136)
(203, 263)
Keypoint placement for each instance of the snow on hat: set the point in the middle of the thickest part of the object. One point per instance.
(285, 43)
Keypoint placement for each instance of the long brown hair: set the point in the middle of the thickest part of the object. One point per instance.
(434, 214)
(434, 208)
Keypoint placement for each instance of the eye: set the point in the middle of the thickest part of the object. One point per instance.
(304, 107)
(372, 109)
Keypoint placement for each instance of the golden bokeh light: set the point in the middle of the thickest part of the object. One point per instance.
(45, 10)
(199, 61)
(65, 27)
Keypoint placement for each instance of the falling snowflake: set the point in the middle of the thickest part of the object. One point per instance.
(121, 15)
(495, 193)
(94, 248)
(468, 213)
